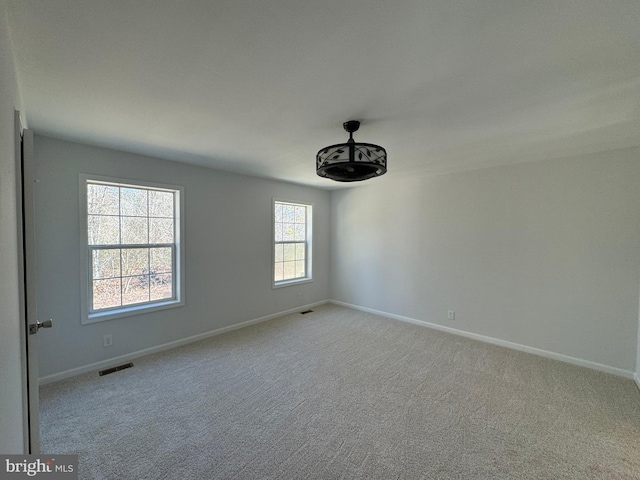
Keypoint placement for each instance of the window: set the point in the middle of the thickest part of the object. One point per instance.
(292, 243)
(133, 256)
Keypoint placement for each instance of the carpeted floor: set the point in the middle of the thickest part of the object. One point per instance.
(343, 394)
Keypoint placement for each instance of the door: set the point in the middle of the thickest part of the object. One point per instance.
(26, 171)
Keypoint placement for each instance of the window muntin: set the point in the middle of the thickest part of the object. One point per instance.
(292, 242)
(132, 239)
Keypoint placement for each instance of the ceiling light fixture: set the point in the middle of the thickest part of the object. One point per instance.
(351, 161)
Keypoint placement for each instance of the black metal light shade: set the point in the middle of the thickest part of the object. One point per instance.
(351, 161)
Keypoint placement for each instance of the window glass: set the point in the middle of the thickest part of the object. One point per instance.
(131, 237)
(292, 241)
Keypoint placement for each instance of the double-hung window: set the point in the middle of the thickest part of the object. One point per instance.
(292, 242)
(133, 248)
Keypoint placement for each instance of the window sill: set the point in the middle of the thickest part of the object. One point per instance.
(288, 283)
(129, 311)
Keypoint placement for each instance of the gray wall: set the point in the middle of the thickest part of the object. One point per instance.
(11, 432)
(228, 253)
(543, 254)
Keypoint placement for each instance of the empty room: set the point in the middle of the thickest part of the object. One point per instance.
(333, 239)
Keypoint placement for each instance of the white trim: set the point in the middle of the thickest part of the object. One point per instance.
(502, 343)
(30, 286)
(129, 311)
(308, 240)
(86, 316)
(166, 346)
(202, 336)
(20, 209)
(293, 281)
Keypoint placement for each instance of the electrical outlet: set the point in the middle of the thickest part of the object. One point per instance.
(451, 315)
(107, 340)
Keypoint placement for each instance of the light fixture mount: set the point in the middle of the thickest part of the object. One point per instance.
(351, 161)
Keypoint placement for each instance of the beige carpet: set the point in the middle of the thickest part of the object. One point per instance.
(344, 394)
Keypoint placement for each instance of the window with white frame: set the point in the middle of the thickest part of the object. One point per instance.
(292, 242)
(133, 248)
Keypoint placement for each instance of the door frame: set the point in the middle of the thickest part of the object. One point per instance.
(25, 205)
(21, 287)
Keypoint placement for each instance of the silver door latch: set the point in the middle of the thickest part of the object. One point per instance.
(34, 327)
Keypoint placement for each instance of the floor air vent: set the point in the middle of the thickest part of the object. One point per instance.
(306, 311)
(115, 369)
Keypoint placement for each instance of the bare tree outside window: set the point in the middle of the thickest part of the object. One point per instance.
(132, 245)
(291, 242)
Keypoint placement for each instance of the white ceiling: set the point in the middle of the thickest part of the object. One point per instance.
(259, 86)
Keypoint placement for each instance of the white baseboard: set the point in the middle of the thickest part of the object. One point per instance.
(177, 343)
(55, 377)
(502, 343)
